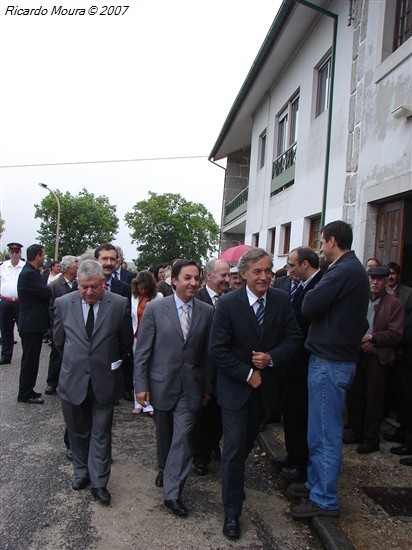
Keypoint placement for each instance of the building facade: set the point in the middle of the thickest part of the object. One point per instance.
(321, 130)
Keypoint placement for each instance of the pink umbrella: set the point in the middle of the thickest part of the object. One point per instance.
(234, 253)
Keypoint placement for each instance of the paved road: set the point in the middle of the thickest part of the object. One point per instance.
(40, 510)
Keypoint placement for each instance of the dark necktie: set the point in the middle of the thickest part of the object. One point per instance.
(293, 290)
(260, 313)
(116, 275)
(90, 322)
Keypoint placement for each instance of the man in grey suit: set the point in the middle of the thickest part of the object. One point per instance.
(172, 372)
(93, 333)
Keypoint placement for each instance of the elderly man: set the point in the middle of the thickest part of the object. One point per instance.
(254, 333)
(208, 429)
(366, 397)
(9, 302)
(93, 333)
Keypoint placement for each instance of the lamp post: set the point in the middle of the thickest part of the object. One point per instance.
(56, 246)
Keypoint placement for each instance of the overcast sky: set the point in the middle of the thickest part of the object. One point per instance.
(155, 82)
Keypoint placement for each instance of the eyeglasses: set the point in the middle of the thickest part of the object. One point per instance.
(14, 251)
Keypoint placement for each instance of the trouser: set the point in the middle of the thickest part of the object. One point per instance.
(31, 343)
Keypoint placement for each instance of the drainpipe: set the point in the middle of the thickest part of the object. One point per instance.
(332, 79)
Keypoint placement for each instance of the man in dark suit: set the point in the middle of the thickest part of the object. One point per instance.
(33, 322)
(208, 429)
(172, 372)
(303, 265)
(93, 333)
(254, 332)
(59, 287)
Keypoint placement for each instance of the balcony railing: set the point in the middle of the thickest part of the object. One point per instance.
(283, 170)
(236, 207)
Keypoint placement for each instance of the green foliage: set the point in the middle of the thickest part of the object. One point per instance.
(1, 227)
(167, 227)
(85, 221)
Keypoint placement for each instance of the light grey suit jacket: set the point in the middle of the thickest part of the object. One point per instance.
(84, 360)
(165, 363)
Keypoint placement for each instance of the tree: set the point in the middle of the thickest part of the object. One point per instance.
(85, 221)
(167, 227)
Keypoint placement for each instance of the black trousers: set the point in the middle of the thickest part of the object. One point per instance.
(9, 316)
(207, 432)
(55, 363)
(31, 343)
(295, 421)
(240, 429)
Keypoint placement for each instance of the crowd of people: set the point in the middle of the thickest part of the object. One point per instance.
(214, 353)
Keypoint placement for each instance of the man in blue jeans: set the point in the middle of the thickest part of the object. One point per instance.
(337, 307)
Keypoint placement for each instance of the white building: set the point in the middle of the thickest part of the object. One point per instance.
(321, 130)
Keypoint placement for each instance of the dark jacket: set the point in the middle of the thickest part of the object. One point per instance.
(405, 359)
(235, 335)
(337, 307)
(34, 296)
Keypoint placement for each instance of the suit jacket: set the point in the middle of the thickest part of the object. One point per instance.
(165, 363)
(283, 283)
(404, 293)
(84, 360)
(126, 276)
(297, 367)
(235, 334)
(204, 296)
(34, 297)
(58, 287)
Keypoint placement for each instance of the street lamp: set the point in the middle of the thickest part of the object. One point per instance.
(56, 246)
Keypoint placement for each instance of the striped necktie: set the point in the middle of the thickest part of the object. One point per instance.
(185, 320)
(293, 290)
(260, 313)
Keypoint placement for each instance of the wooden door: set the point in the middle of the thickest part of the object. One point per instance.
(389, 232)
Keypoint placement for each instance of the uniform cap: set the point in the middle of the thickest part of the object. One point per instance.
(14, 246)
(378, 271)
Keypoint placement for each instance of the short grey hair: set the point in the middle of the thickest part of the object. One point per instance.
(68, 262)
(252, 255)
(210, 266)
(89, 269)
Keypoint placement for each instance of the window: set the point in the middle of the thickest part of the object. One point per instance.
(272, 236)
(262, 147)
(294, 111)
(287, 125)
(402, 23)
(322, 100)
(255, 239)
(286, 238)
(314, 233)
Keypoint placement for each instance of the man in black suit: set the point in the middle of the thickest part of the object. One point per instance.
(59, 287)
(254, 332)
(34, 296)
(208, 428)
(107, 256)
(303, 265)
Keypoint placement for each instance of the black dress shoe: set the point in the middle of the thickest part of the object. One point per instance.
(5, 362)
(403, 450)
(177, 507)
(215, 453)
(50, 390)
(298, 490)
(406, 461)
(69, 455)
(102, 495)
(396, 437)
(159, 480)
(32, 400)
(366, 448)
(280, 462)
(292, 475)
(128, 396)
(231, 527)
(201, 469)
(80, 483)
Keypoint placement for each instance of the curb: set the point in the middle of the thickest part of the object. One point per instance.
(330, 534)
